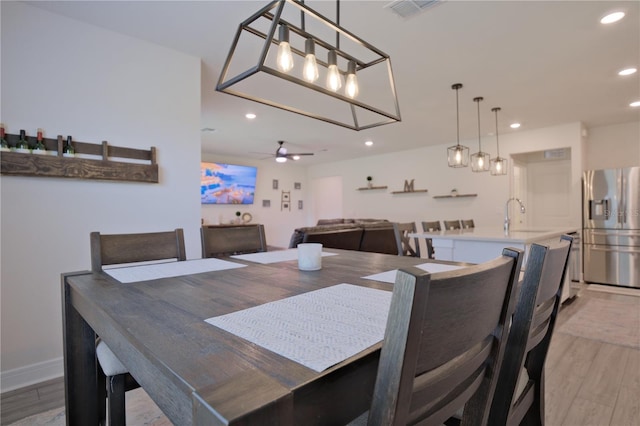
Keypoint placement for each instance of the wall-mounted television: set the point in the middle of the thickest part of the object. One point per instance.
(222, 183)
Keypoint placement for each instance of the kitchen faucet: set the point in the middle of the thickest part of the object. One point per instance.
(507, 220)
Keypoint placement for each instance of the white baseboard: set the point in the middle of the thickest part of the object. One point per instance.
(31, 374)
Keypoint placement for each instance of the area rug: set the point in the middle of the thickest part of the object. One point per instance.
(610, 321)
(141, 411)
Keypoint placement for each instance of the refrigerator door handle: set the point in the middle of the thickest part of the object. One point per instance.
(615, 250)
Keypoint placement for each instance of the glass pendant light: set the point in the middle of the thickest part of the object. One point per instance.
(351, 89)
(310, 70)
(498, 164)
(285, 58)
(334, 79)
(458, 155)
(480, 160)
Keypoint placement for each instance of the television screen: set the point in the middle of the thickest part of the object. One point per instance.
(227, 183)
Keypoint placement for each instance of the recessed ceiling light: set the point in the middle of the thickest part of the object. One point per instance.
(368, 143)
(515, 125)
(612, 17)
(250, 116)
(628, 71)
(635, 104)
(296, 157)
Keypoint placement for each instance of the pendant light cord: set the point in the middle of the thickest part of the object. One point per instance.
(338, 22)
(457, 119)
(497, 140)
(479, 138)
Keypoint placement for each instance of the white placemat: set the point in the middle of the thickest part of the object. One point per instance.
(390, 276)
(132, 274)
(317, 329)
(274, 256)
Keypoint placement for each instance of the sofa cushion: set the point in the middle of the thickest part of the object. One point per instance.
(346, 239)
(379, 237)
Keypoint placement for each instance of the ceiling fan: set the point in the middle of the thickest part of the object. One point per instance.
(282, 155)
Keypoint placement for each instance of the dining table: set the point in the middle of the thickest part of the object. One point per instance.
(172, 330)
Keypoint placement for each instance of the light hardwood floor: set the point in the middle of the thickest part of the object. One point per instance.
(588, 382)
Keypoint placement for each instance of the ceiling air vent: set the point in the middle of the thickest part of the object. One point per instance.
(408, 8)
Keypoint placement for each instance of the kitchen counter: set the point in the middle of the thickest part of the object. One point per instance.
(517, 236)
(477, 245)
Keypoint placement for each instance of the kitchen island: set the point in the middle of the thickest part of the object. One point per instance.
(477, 245)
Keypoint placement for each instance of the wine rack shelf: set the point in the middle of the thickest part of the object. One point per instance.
(92, 161)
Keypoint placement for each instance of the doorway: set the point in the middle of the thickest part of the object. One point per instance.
(542, 180)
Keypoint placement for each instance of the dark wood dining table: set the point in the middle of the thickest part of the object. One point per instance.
(200, 374)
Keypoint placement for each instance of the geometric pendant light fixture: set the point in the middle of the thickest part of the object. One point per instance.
(480, 161)
(316, 68)
(498, 164)
(458, 155)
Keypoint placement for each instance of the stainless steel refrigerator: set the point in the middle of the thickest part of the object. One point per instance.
(611, 226)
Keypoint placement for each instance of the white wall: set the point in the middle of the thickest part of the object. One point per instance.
(613, 146)
(74, 79)
(279, 224)
(428, 167)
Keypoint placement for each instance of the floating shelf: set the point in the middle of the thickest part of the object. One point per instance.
(455, 196)
(92, 161)
(368, 188)
(409, 192)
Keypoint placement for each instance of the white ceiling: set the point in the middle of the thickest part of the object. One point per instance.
(543, 62)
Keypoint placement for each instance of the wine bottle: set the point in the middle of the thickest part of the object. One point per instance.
(68, 150)
(4, 145)
(22, 145)
(39, 148)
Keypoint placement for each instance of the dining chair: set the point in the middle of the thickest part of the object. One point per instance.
(519, 396)
(430, 227)
(227, 240)
(443, 343)
(401, 232)
(113, 378)
(452, 224)
(467, 224)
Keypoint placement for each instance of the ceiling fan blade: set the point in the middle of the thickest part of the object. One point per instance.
(301, 153)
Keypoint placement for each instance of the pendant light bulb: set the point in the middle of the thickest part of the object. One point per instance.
(458, 156)
(285, 57)
(351, 88)
(310, 70)
(334, 79)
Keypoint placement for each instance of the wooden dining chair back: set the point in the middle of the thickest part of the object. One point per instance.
(431, 226)
(452, 224)
(112, 249)
(403, 240)
(228, 240)
(519, 397)
(443, 343)
(468, 224)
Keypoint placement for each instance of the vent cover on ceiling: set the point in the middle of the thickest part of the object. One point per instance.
(407, 8)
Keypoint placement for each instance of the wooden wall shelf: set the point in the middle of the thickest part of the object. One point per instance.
(455, 196)
(92, 161)
(368, 188)
(409, 192)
